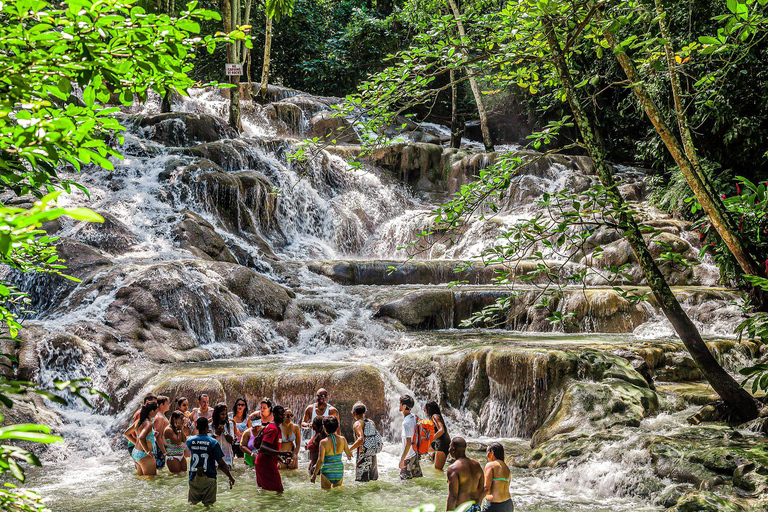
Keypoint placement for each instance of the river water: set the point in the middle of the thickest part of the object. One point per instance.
(328, 213)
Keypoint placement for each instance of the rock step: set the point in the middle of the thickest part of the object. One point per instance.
(594, 309)
(394, 272)
(292, 385)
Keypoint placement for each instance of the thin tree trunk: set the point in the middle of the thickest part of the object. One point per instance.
(487, 141)
(710, 203)
(165, 103)
(231, 11)
(742, 405)
(455, 135)
(265, 67)
(246, 52)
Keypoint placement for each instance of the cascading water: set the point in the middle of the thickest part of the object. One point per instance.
(165, 312)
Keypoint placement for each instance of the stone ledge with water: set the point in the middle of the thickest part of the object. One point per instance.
(226, 269)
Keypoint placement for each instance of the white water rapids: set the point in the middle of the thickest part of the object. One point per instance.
(326, 212)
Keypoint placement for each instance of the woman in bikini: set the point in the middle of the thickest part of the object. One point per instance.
(143, 436)
(239, 421)
(329, 464)
(442, 440)
(497, 497)
(175, 443)
(290, 441)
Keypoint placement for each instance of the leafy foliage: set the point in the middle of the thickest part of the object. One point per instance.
(61, 64)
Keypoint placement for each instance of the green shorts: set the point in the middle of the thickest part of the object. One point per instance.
(202, 490)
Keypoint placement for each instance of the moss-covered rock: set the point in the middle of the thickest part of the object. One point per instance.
(705, 501)
(291, 385)
(597, 405)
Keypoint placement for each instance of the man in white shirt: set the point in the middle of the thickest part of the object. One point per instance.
(409, 460)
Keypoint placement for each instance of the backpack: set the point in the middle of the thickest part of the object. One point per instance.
(373, 443)
(423, 437)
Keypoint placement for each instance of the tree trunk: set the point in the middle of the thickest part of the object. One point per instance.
(455, 132)
(710, 203)
(165, 103)
(265, 67)
(234, 105)
(230, 11)
(742, 405)
(487, 141)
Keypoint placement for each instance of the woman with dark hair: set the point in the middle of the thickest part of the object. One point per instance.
(313, 446)
(290, 441)
(144, 432)
(267, 474)
(176, 443)
(329, 464)
(248, 443)
(442, 441)
(239, 419)
(497, 473)
(222, 432)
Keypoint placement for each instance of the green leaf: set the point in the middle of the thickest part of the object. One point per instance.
(84, 214)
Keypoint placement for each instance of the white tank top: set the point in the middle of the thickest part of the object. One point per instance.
(315, 414)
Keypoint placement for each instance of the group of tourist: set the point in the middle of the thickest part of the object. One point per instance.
(268, 440)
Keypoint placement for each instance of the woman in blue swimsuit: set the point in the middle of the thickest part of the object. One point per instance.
(239, 419)
(143, 452)
(329, 464)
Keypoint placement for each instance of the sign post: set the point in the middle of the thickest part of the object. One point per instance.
(233, 69)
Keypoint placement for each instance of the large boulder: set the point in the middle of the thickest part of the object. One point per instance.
(328, 126)
(422, 310)
(111, 236)
(171, 308)
(48, 291)
(199, 237)
(244, 202)
(182, 128)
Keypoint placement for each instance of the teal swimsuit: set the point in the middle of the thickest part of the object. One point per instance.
(333, 468)
(137, 454)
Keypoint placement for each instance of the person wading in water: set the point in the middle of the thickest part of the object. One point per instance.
(321, 408)
(206, 454)
(290, 441)
(175, 443)
(497, 497)
(442, 440)
(329, 464)
(202, 410)
(465, 478)
(267, 474)
(366, 443)
(409, 459)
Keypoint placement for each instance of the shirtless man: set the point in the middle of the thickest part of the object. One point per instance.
(465, 478)
(320, 408)
(202, 410)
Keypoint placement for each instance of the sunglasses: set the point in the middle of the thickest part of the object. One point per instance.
(322, 396)
(289, 415)
(240, 405)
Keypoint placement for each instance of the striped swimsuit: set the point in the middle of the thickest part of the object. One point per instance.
(333, 468)
(174, 451)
